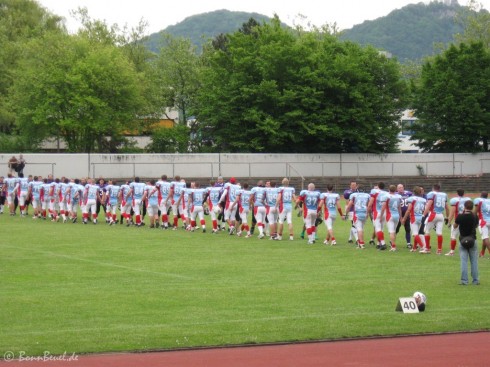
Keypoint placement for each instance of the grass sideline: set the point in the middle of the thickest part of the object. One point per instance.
(94, 288)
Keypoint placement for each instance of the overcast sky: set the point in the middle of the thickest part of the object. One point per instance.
(160, 13)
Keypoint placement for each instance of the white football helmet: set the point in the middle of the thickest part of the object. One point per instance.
(420, 297)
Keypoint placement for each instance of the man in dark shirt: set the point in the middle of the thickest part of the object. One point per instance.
(405, 195)
(467, 223)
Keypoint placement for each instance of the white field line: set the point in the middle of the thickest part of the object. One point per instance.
(54, 254)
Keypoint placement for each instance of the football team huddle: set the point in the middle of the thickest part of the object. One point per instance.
(268, 204)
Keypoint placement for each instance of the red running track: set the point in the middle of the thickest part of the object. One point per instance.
(448, 350)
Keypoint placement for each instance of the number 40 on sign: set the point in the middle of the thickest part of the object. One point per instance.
(407, 305)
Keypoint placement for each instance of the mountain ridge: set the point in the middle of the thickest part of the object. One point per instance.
(409, 33)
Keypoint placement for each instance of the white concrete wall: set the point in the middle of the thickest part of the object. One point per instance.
(251, 165)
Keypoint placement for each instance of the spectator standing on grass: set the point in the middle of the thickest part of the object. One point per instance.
(483, 211)
(467, 223)
(456, 207)
(435, 208)
(405, 195)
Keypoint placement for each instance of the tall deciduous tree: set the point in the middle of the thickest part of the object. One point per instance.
(267, 88)
(453, 101)
(84, 92)
(177, 71)
(475, 21)
(20, 21)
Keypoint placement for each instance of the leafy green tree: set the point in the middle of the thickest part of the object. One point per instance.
(132, 41)
(267, 88)
(20, 21)
(84, 92)
(475, 22)
(170, 140)
(176, 71)
(453, 101)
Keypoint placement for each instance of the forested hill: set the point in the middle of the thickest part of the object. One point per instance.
(200, 27)
(409, 33)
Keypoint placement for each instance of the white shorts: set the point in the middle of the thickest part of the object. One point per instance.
(197, 210)
(90, 204)
(455, 233)
(22, 198)
(359, 224)
(415, 228)
(392, 224)
(230, 214)
(310, 218)
(152, 210)
(163, 207)
(178, 210)
(126, 208)
(286, 215)
(36, 203)
(484, 231)
(243, 215)
(434, 221)
(329, 222)
(137, 206)
(10, 197)
(259, 212)
(379, 223)
(272, 215)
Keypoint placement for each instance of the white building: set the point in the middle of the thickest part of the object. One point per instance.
(406, 122)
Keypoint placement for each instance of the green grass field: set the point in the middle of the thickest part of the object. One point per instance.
(94, 288)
